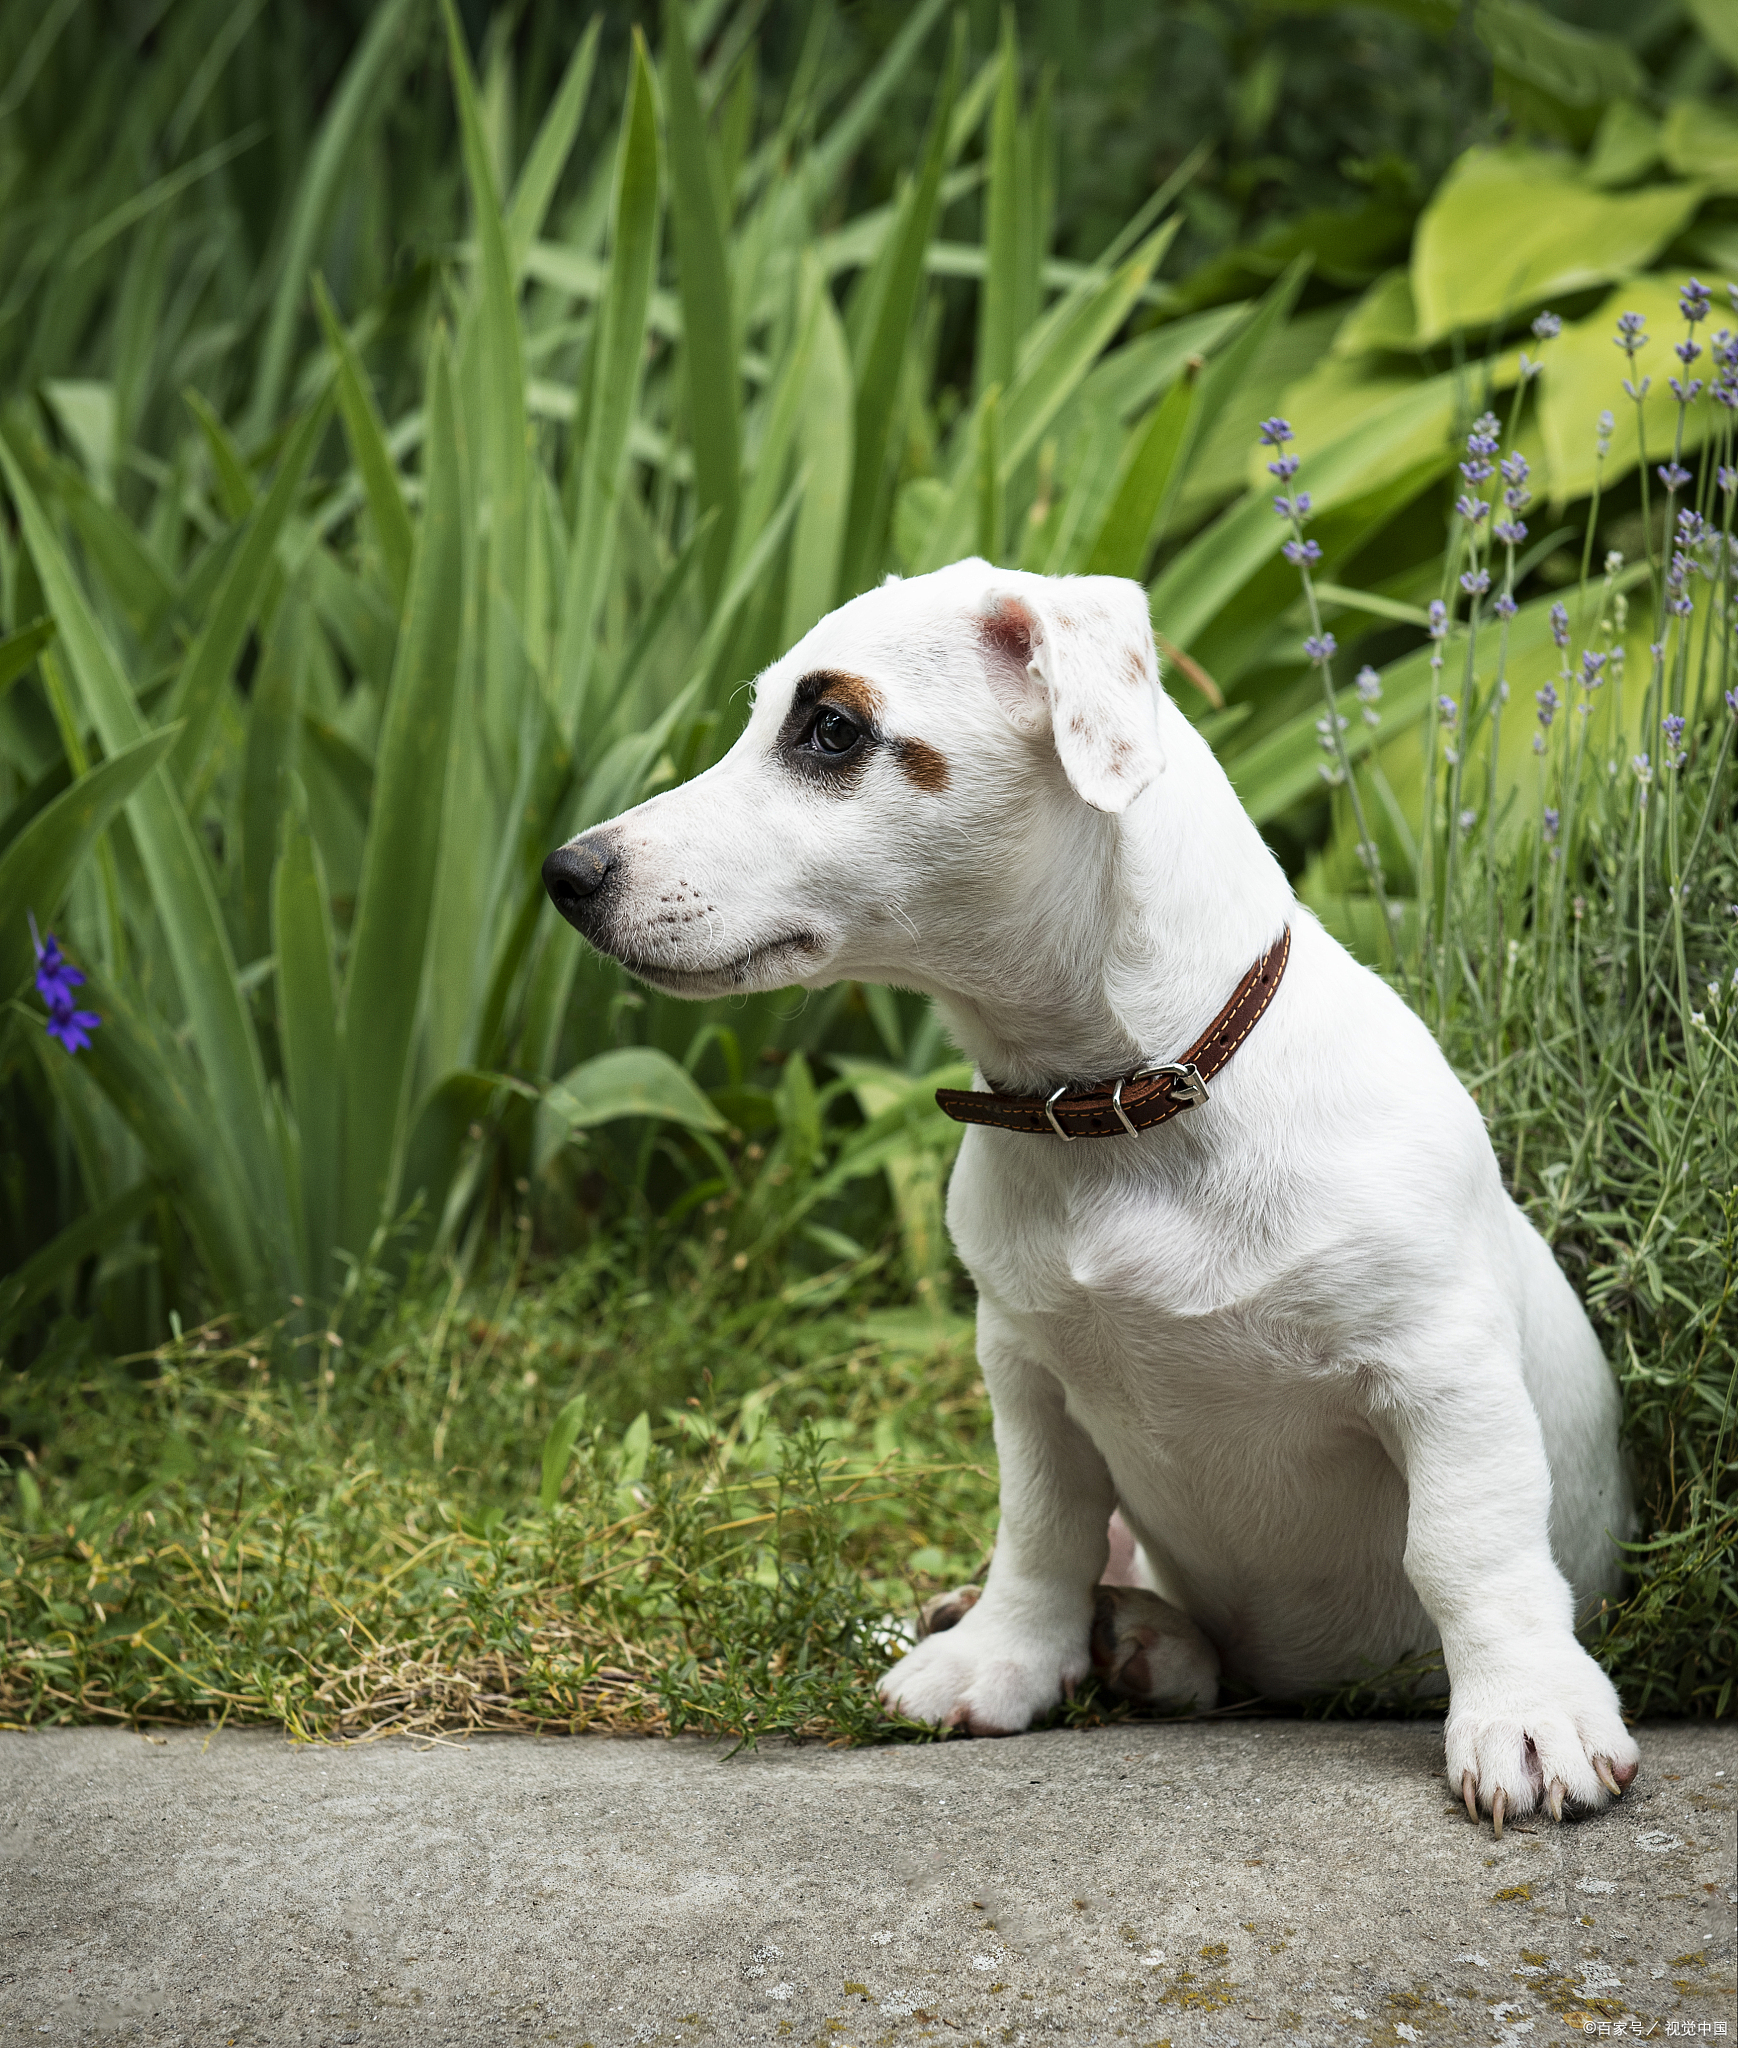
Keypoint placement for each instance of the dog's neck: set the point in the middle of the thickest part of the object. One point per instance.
(1129, 945)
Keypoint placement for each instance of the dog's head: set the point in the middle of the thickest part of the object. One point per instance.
(922, 776)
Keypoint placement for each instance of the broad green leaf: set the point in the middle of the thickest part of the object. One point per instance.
(1511, 227)
(179, 873)
(698, 214)
(999, 296)
(113, 548)
(383, 989)
(39, 864)
(825, 449)
(366, 433)
(1154, 460)
(1700, 141)
(547, 157)
(269, 762)
(1573, 66)
(1584, 375)
(558, 1451)
(637, 1080)
(238, 602)
(614, 368)
(302, 945)
(1719, 23)
(86, 413)
(1625, 148)
(894, 286)
(358, 98)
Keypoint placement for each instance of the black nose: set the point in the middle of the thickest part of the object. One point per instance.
(574, 874)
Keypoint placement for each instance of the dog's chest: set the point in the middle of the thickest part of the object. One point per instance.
(1133, 1288)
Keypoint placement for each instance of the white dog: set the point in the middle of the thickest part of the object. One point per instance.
(1334, 1380)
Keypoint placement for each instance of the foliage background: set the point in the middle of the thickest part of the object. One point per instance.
(370, 526)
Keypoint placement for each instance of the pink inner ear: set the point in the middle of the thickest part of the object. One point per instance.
(1008, 632)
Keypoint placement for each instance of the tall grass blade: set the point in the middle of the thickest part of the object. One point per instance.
(366, 433)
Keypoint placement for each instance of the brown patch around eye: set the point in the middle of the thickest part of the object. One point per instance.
(853, 694)
(922, 766)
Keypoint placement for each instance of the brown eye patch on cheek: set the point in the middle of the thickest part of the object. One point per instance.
(922, 765)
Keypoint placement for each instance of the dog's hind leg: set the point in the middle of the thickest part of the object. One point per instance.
(1145, 1649)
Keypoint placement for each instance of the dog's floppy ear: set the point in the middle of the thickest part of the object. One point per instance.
(1076, 654)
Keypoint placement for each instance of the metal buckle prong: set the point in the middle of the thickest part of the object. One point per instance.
(1187, 1085)
(1122, 1115)
(1067, 1137)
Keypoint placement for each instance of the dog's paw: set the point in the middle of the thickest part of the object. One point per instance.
(1147, 1650)
(984, 1678)
(1546, 1734)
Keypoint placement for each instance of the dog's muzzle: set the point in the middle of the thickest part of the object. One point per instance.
(574, 876)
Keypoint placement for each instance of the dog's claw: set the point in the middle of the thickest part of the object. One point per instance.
(1469, 1792)
(1607, 1776)
(1554, 1798)
(1499, 1806)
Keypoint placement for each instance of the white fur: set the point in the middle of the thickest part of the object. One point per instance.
(1333, 1378)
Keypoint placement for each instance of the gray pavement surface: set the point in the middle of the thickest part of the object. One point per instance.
(1223, 1885)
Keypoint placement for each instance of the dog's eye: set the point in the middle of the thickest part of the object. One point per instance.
(833, 732)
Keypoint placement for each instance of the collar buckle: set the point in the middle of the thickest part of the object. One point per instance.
(1187, 1086)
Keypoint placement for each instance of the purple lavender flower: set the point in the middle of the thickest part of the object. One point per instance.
(1275, 432)
(1687, 351)
(1673, 475)
(1515, 469)
(1470, 508)
(1547, 327)
(1511, 532)
(1438, 620)
(1368, 684)
(1637, 391)
(1732, 702)
(1693, 301)
(1591, 664)
(1673, 727)
(1285, 468)
(1320, 646)
(1448, 708)
(1560, 624)
(1606, 425)
(1505, 606)
(1643, 772)
(1685, 394)
(1475, 582)
(1547, 700)
(1300, 552)
(1630, 336)
(56, 978)
(1693, 529)
(1468, 819)
(1727, 478)
(1551, 823)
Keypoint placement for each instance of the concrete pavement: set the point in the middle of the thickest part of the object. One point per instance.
(1211, 1885)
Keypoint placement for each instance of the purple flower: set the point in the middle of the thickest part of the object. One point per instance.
(1471, 508)
(1275, 432)
(1687, 351)
(1477, 472)
(1591, 664)
(1547, 327)
(1446, 705)
(1727, 478)
(56, 978)
(1685, 394)
(1369, 685)
(1732, 702)
(1551, 823)
(1606, 424)
(1320, 646)
(1301, 552)
(1643, 772)
(1514, 469)
(1511, 532)
(1468, 819)
(1285, 468)
(1505, 606)
(1475, 582)
(1560, 624)
(1672, 725)
(1438, 620)
(1693, 301)
(1547, 700)
(1693, 529)
(1629, 332)
(1673, 475)
(1637, 391)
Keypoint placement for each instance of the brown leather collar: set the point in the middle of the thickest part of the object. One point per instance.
(1150, 1095)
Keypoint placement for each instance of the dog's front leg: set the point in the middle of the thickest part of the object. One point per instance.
(1026, 1642)
(1532, 1720)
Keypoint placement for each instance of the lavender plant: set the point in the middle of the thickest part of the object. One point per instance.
(1572, 936)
